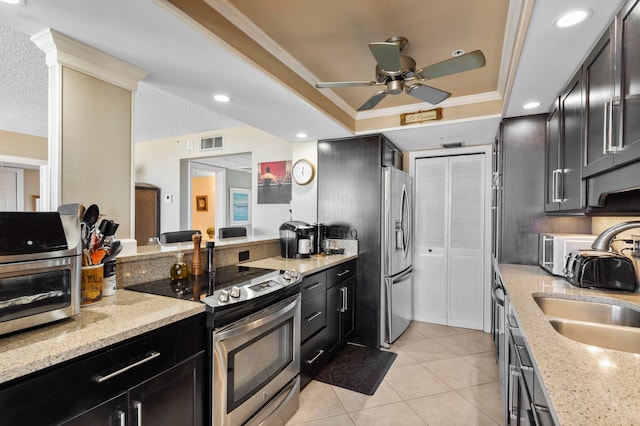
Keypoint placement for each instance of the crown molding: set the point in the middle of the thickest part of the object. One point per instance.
(64, 50)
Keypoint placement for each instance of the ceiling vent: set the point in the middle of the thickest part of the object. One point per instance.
(453, 145)
(209, 144)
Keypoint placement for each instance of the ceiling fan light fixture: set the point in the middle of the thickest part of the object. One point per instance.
(572, 17)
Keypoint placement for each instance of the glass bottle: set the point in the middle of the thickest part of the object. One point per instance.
(179, 269)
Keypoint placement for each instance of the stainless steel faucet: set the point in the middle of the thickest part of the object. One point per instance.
(603, 242)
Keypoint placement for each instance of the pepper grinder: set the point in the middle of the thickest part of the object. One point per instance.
(196, 266)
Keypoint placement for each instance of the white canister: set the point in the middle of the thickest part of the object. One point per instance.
(109, 281)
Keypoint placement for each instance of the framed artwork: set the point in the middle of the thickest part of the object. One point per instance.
(239, 206)
(274, 182)
(202, 204)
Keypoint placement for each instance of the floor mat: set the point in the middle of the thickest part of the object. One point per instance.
(357, 368)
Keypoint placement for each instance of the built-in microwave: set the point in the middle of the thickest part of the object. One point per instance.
(553, 249)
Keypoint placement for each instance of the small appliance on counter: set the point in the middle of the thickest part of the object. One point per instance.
(320, 234)
(296, 239)
(600, 270)
(553, 249)
(40, 261)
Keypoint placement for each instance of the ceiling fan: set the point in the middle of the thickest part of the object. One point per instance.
(395, 70)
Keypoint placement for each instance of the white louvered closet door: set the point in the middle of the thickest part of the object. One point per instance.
(448, 267)
(430, 291)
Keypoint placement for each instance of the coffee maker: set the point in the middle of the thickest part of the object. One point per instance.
(296, 239)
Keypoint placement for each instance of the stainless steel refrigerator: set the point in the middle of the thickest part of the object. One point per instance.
(363, 195)
(397, 279)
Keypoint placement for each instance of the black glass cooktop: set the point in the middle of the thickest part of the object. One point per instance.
(195, 288)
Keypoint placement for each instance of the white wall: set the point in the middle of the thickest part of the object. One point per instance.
(304, 203)
(158, 162)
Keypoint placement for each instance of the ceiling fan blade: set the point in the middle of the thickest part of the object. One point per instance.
(373, 101)
(387, 55)
(427, 93)
(330, 84)
(466, 62)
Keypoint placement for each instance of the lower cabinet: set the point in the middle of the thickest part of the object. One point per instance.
(154, 379)
(328, 316)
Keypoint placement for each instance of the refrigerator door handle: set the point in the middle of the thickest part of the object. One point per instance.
(406, 221)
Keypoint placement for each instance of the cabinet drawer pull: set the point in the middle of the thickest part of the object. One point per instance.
(122, 418)
(345, 272)
(312, 360)
(148, 357)
(314, 285)
(313, 316)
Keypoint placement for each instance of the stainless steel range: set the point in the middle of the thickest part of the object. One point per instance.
(254, 320)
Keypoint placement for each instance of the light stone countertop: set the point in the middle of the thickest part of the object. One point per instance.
(112, 320)
(584, 385)
(315, 263)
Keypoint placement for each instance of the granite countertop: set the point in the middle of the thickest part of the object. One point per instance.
(112, 320)
(584, 385)
(315, 263)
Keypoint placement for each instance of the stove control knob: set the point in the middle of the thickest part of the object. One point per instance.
(235, 292)
(286, 275)
(223, 296)
(293, 273)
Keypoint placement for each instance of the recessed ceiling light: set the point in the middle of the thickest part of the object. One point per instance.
(222, 98)
(531, 105)
(301, 135)
(444, 138)
(572, 18)
(12, 1)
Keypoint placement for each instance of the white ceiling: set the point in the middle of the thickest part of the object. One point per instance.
(187, 66)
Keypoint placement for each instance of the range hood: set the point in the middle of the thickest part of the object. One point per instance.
(624, 202)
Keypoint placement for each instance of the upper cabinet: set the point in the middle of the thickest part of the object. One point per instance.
(612, 95)
(564, 185)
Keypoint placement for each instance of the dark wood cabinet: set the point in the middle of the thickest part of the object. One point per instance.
(612, 95)
(328, 305)
(564, 184)
(159, 376)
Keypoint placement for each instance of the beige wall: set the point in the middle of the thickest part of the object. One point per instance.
(158, 162)
(203, 186)
(96, 140)
(31, 187)
(22, 145)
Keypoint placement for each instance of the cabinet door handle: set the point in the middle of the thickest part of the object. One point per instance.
(313, 316)
(314, 285)
(345, 301)
(605, 131)
(312, 360)
(343, 273)
(122, 418)
(137, 405)
(148, 357)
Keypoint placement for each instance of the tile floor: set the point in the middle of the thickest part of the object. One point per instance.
(441, 376)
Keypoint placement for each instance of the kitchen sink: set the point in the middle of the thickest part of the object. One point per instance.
(600, 324)
(581, 310)
(626, 339)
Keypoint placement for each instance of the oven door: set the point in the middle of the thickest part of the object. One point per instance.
(256, 364)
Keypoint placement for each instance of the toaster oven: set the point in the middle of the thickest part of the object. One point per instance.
(40, 262)
(553, 249)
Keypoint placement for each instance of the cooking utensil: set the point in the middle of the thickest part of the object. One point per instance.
(115, 248)
(89, 219)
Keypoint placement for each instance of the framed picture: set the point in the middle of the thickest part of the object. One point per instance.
(240, 206)
(274, 182)
(202, 204)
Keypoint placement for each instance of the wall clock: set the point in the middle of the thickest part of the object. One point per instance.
(303, 172)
